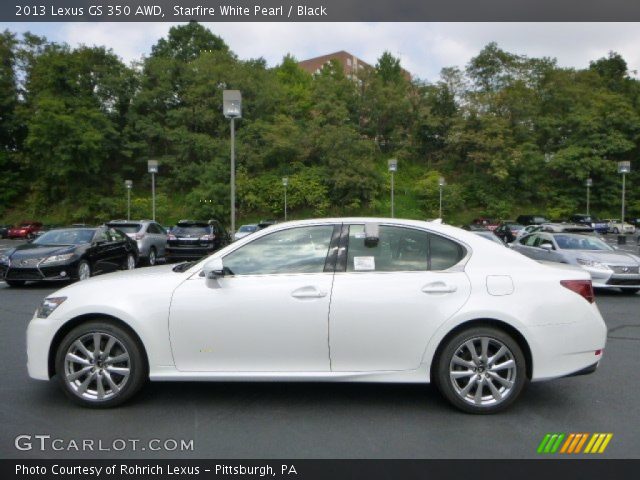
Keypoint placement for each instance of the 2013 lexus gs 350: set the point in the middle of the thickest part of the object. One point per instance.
(351, 299)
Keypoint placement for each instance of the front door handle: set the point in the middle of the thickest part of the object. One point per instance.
(439, 287)
(308, 292)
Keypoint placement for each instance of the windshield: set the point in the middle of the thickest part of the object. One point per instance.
(66, 237)
(248, 228)
(126, 228)
(579, 242)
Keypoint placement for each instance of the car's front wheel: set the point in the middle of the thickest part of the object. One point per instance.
(130, 262)
(100, 365)
(481, 370)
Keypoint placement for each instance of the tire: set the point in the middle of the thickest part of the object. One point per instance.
(630, 291)
(79, 377)
(15, 283)
(461, 390)
(616, 231)
(153, 257)
(130, 262)
(84, 270)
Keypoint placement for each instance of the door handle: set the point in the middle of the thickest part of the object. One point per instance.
(439, 287)
(308, 292)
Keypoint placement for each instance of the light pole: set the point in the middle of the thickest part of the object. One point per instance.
(232, 109)
(393, 168)
(285, 182)
(152, 167)
(623, 168)
(589, 184)
(441, 184)
(129, 185)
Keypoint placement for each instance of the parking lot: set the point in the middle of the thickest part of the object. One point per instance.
(305, 420)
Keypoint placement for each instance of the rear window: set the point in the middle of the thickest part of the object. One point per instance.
(127, 227)
(191, 230)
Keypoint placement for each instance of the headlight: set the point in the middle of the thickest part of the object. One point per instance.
(58, 258)
(48, 305)
(4, 259)
(592, 264)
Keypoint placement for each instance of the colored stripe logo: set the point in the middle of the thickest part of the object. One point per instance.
(574, 443)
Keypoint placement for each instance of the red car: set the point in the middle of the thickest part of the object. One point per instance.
(25, 230)
(488, 223)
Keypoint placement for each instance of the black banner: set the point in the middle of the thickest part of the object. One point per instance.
(320, 469)
(318, 10)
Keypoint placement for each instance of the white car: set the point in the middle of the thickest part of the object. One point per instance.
(616, 226)
(346, 300)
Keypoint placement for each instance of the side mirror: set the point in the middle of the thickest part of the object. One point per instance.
(546, 246)
(213, 269)
(371, 234)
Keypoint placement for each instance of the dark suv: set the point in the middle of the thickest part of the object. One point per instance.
(193, 239)
(532, 220)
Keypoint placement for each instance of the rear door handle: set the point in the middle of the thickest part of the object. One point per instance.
(439, 287)
(308, 292)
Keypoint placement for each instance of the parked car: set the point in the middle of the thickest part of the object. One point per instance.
(598, 225)
(25, 230)
(558, 227)
(149, 235)
(616, 226)
(68, 254)
(4, 230)
(608, 267)
(266, 223)
(193, 239)
(245, 230)
(488, 223)
(489, 235)
(635, 221)
(508, 230)
(410, 301)
(532, 219)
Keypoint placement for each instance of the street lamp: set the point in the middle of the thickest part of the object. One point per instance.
(441, 184)
(129, 185)
(285, 182)
(589, 184)
(623, 168)
(393, 168)
(232, 109)
(152, 167)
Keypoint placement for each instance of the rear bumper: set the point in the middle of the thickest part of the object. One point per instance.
(190, 253)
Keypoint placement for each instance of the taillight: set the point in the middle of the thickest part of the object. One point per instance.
(139, 236)
(584, 288)
(207, 237)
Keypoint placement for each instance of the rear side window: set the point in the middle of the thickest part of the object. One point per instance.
(401, 249)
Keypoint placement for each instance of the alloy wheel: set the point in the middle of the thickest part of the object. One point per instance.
(84, 271)
(131, 262)
(482, 371)
(152, 257)
(97, 366)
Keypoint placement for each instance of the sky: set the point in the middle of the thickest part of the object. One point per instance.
(424, 48)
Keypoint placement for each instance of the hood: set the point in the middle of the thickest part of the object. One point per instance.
(35, 250)
(608, 257)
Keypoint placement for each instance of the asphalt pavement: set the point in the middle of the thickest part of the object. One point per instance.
(307, 420)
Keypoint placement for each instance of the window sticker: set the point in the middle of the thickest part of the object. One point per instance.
(364, 263)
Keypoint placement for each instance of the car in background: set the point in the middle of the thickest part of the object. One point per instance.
(46, 227)
(149, 235)
(472, 227)
(488, 223)
(615, 226)
(598, 225)
(68, 254)
(4, 230)
(558, 227)
(266, 223)
(489, 235)
(608, 267)
(508, 230)
(26, 230)
(532, 219)
(245, 230)
(334, 300)
(194, 239)
(528, 230)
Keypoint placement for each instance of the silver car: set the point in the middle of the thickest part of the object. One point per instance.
(245, 230)
(609, 268)
(150, 236)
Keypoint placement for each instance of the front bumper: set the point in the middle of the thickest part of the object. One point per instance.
(40, 333)
(609, 279)
(55, 272)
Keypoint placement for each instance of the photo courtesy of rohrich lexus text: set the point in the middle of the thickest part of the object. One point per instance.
(319, 239)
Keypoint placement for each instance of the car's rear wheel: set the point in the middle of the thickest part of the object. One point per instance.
(616, 231)
(481, 370)
(100, 365)
(84, 270)
(15, 283)
(152, 257)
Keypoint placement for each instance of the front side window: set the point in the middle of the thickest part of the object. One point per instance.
(401, 249)
(295, 250)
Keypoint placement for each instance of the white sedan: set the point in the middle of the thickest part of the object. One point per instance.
(351, 299)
